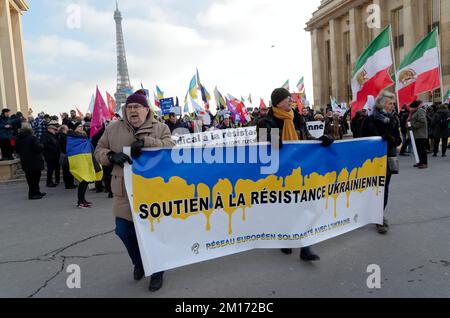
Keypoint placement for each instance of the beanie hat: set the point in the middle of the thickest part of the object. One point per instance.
(76, 125)
(415, 104)
(139, 97)
(279, 95)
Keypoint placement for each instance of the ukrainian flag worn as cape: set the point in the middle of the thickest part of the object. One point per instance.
(82, 163)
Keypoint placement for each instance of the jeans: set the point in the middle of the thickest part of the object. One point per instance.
(126, 232)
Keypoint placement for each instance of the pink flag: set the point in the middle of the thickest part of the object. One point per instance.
(101, 114)
(111, 105)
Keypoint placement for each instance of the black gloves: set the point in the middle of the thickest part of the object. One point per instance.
(326, 141)
(388, 138)
(119, 159)
(136, 149)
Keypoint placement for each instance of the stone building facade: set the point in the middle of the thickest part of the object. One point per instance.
(342, 29)
(13, 79)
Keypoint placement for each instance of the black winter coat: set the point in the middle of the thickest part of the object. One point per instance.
(389, 132)
(30, 151)
(52, 150)
(441, 130)
(270, 121)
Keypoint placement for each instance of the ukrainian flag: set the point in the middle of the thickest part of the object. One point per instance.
(82, 163)
(160, 93)
(193, 88)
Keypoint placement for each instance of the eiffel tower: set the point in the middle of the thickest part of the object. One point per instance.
(124, 88)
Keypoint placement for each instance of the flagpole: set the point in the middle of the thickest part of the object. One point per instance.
(440, 65)
(395, 68)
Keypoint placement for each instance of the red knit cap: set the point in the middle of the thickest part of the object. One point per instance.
(139, 97)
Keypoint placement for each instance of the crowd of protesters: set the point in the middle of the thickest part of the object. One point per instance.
(42, 141)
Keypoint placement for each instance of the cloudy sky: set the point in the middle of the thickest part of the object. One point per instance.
(230, 41)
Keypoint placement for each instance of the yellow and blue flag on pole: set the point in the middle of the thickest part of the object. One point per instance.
(159, 92)
(82, 163)
(193, 88)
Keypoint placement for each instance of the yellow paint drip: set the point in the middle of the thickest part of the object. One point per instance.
(157, 191)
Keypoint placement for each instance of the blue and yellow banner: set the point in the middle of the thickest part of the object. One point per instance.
(81, 160)
(196, 204)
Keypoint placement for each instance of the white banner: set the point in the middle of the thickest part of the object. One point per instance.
(186, 213)
(212, 138)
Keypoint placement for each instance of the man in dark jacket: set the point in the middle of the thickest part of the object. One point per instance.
(69, 180)
(174, 123)
(280, 113)
(6, 133)
(441, 132)
(419, 127)
(30, 153)
(385, 124)
(406, 141)
(52, 154)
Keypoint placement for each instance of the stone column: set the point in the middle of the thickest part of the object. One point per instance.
(16, 23)
(2, 85)
(384, 16)
(317, 50)
(8, 57)
(355, 34)
(445, 44)
(415, 17)
(336, 57)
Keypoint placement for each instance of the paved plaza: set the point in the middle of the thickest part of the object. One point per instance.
(40, 239)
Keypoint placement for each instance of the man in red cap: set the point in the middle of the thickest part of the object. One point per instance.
(137, 129)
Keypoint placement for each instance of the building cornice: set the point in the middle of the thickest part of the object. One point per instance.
(22, 5)
(331, 9)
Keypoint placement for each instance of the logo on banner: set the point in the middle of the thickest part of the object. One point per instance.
(195, 248)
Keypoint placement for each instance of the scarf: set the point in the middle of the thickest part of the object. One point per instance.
(289, 132)
(381, 116)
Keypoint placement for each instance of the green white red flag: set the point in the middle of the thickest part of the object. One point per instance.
(419, 71)
(371, 74)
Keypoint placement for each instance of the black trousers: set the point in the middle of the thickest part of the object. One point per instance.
(82, 188)
(53, 168)
(7, 149)
(33, 178)
(422, 150)
(68, 178)
(405, 144)
(444, 145)
(386, 187)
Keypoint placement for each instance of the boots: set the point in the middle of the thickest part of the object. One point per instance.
(156, 282)
(307, 255)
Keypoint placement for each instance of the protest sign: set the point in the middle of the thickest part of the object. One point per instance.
(316, 128)
(166, 105)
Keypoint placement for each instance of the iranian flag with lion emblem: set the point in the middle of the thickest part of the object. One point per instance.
(419, 71)
(371, 74)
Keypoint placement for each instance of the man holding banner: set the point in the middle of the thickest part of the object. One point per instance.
(292, 128)
(137, 129)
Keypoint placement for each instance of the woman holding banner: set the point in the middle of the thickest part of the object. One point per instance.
(384, 122)
(137, 129)
(291, 128)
